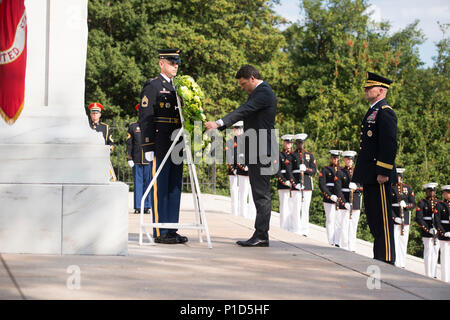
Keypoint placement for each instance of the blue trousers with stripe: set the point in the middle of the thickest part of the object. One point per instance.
(377, 205)
(166, 194)
(142, 174)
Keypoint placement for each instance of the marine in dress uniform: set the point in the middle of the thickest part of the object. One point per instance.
(349, 200)
(304, 168)
(442, 222)
(95, 110)
(425, 211)
(327, 180)
(403, 200)
(375, 166)
(285, 183)
(158, 119)
(141, 167)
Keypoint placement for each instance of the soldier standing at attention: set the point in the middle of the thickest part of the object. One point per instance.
(442, 222)
(285, 183)
(402, 198)
(141, 167)
(327, 179)
(426, 209)
(375, 166)
(304, 168)
(231, 158)
(158, 118)
(95, 114)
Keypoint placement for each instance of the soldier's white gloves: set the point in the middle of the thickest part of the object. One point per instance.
(433, 231)
(447, 234)
(235, 171)
(334, 198)
(149, 156)
(288, 183)
(347, 206)
(299, 187)
(398, 220)
(131, 163)
(246, 168)
(403, 204)
(302, 168)
(352, 186)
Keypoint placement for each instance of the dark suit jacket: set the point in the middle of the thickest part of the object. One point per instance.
(378, 146)
(258, 113)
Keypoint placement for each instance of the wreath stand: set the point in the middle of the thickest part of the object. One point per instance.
(200, 216)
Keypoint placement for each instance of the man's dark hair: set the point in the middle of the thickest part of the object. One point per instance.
(246, 71)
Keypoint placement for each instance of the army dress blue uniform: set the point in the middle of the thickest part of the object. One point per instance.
(141, 168)
(378, 148)
(159, 119)
(442, 222)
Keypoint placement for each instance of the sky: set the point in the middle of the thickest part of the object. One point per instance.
(399, 13)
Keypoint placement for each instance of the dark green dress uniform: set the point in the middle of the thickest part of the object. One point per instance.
(378, 149)
(159, 119)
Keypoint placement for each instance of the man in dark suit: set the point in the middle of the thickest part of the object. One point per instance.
(375, 166)
(258, 114)
(158, 119)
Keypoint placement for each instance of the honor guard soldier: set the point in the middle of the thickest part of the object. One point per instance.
(231, 159)
(442, 222)
(375, 166)
(327, 179)
(158, 119)
(285, 183)
(304, 169)
(349, 195)
(403, 200)
(95, 110)
(140, 166)
(426, 209)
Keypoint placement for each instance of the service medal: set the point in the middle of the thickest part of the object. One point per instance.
(161, 104)
(167, 105)
(369, 133)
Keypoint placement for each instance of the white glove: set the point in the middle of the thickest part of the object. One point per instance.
(235, 171)
(299, 187)
(131, 163)
(352, 186)
(433, 231)
(398, 220)
(246, 168)
(149, 156)
(447, 234)
(403, 204)
(302, 168)
(347, 206)
(288, 183)
(334, 198)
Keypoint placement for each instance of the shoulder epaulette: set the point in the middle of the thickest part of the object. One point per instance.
(386, 107)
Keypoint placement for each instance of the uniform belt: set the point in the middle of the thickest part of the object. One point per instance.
(283, 171)
(445, 221)
(166, 120)
(396, 204)
(345, 190)
(296, 171)
(330, 184)
(427, 218)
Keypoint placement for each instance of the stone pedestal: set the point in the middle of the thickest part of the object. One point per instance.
(55, 194)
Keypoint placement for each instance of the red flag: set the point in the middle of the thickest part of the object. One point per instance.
(13, 58)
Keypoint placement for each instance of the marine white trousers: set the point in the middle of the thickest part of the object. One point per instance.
(445, 260)
(430, 256)
(246, 209)
(286, 211)
(300, 223)
(330, 223)
(234, 193)
(347, 239)
(401, 244)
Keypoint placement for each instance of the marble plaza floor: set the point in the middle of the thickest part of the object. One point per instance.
(293, 267)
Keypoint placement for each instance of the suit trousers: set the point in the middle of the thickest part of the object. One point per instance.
(377, 204)
(260, 185)
(141, 176)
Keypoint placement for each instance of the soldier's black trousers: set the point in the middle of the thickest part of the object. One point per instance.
(377, 203)
(260, 185)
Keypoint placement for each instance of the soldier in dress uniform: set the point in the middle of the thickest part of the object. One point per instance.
(426, 209)
(231, 159)
(304, 168)
(349, 199)
(375, 166)
(403, 200)
(327, 179)
(442, 222)
(95, 112)
(285, 183)
(141, 167)
(158, 119)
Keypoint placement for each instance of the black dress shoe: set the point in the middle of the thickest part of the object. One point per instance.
(254, 242)
(178, 238)
(137, 211)
(146, 211)
(166, 239)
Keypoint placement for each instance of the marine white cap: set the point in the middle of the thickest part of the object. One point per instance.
(335, 153)
(287, 137)
(349, 154)
(301, 136)
(446, 187)
(400, 170)
(431, 185)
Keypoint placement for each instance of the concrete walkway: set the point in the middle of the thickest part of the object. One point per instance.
(293, 267)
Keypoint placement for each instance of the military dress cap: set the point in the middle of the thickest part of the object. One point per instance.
(301, 136)
(95, 107)
(335, 153)
(136, 107)
(400, 170)
(375, 80)
(349, 154)
(446, 188)
(170, 54)
(287, 137)
(238, 124)
(431, 185)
